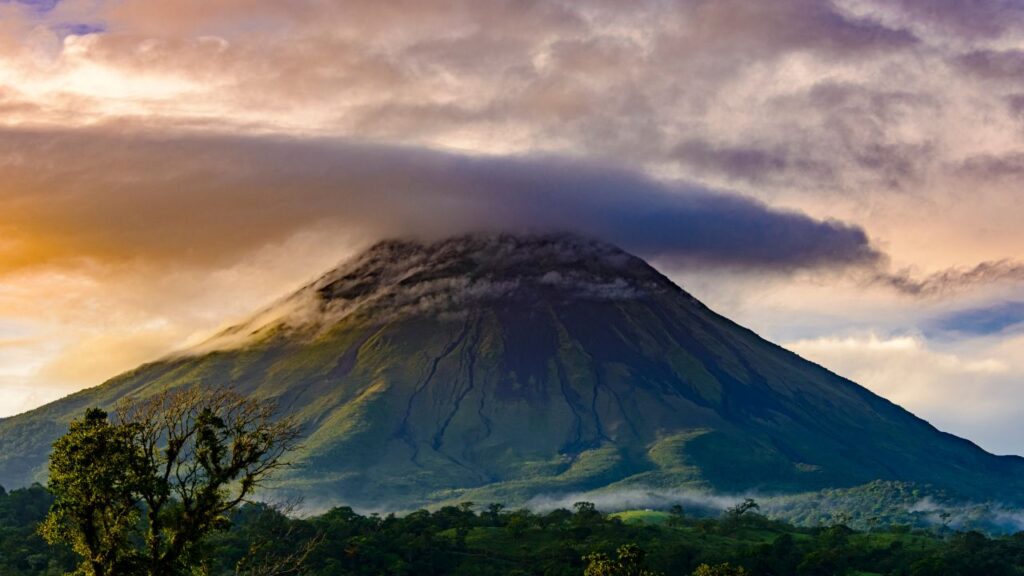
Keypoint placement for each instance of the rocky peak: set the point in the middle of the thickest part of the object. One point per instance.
(487, 266)
(397, 278)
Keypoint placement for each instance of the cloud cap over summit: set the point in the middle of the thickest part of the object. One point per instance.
(93, 182)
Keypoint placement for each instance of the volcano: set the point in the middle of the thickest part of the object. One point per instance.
(499, 367)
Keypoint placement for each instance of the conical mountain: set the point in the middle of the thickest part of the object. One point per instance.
(500, 367)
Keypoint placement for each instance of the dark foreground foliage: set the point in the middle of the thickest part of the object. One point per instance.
(488, 540)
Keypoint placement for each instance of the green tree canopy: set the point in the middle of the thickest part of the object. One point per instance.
(96, 510)
(629, 561)
(137, 494)
(724, 569)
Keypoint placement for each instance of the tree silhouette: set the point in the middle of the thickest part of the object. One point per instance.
(742, 508)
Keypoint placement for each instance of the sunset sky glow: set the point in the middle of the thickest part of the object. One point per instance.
(844, 177)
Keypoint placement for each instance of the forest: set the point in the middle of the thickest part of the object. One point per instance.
(489, 540)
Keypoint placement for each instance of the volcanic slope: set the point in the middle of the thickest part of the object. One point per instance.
(499, 367)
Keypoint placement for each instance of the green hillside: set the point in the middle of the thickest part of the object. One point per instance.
(499, 368)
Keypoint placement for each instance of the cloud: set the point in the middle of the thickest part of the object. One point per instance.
(206, 200)
(952, 280)
(993, 166)
(972, 19)
(635, 82)
(993, 64)
(66, 328)
(965, 387)
(787, 97)
(742, 162)
(991, 319)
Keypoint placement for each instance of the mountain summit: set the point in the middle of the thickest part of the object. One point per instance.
(400, 279)
(500, 367)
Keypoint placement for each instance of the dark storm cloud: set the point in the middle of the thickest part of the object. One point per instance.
(207, 199)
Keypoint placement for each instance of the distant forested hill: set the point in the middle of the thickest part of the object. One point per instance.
(489, 540)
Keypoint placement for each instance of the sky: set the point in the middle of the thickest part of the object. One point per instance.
(841, 176)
